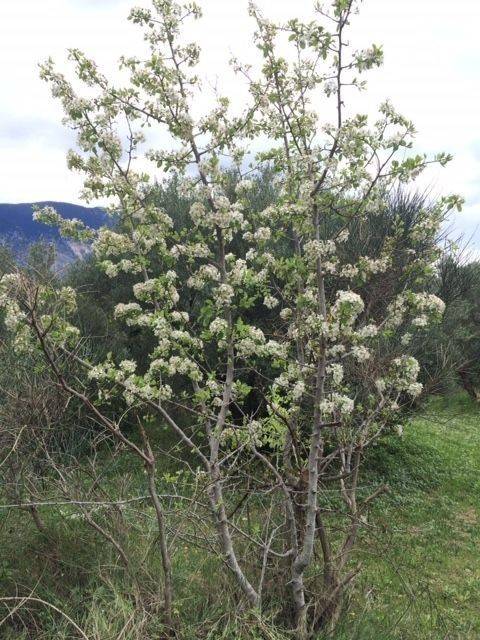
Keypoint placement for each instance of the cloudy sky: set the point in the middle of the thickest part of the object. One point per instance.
(431, 74)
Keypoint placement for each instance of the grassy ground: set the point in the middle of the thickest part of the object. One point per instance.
(421, 555)
(419, 551)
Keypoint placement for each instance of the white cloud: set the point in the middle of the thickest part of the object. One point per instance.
(430, 73)
(29, 174)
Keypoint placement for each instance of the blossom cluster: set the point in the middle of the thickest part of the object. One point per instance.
(234, 284)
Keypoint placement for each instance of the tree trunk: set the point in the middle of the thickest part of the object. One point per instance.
(162, 535)
(39, 523)
(166, 562)
(466, 380)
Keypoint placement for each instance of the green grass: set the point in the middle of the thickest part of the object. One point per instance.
(421, 552)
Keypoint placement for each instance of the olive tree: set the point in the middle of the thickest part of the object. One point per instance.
(287, 405)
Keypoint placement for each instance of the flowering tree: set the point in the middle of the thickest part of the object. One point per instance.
(328, 377)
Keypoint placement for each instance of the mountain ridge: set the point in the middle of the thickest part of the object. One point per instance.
(18, 229)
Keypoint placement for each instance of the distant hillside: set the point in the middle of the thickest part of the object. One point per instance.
(18, 229)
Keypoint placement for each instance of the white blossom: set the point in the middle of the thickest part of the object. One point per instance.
(337, 402)
(336, 371)
(219, 325)
(244, 186)
(347, 307)
(298, 390)
(360, 353)
(368, 331)
(286, 313)
(270, 302)
(223, 295)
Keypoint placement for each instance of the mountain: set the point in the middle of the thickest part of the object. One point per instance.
(18, 230)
